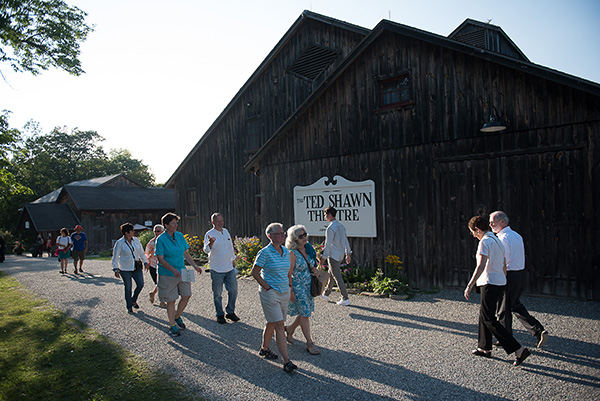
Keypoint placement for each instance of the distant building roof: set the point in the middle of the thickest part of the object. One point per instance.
(52, 197)
(120, 198)
(51, 216)
(92, 182)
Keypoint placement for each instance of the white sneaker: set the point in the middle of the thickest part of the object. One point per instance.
(324, 297)
(343, 302)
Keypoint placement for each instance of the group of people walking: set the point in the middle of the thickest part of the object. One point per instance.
(284, 275)
(284, 269)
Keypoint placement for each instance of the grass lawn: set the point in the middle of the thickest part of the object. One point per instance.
(45, 355)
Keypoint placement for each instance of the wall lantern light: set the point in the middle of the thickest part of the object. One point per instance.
(494, 125)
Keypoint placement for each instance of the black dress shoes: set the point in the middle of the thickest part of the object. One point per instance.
(233, 317)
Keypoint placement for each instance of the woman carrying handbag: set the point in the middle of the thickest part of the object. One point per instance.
(128, 262)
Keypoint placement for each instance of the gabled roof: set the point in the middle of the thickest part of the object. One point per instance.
(278, 47)
(99, 181)
(120, 198)
(92, 182)
(389, 26)
(51, 216)
(488, 37)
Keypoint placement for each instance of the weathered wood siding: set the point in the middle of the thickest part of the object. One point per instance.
(214, 176)
(433, 169)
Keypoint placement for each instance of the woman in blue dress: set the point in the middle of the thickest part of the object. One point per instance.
(304, 259)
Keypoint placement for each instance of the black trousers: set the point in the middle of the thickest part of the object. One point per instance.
(489, 325)
(511, 302)
(152, 271)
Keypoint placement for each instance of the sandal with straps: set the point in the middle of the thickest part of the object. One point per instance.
(289, 337)
(311, 349)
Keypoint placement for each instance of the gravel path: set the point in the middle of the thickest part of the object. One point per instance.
(375, 349)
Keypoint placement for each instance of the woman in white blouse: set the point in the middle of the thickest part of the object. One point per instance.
(127, 250)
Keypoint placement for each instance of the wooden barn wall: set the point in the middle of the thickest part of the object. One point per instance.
(433, 169)
(215, 171)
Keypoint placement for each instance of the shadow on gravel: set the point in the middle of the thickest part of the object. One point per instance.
(232, 348)
(413, 321)
(567, 375)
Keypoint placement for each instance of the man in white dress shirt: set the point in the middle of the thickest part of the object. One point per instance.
(337, 248)
(516, 278)
(221, 260)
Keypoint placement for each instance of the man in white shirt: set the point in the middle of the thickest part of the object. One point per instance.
(336, 249)
(221, 260)
(515, 280)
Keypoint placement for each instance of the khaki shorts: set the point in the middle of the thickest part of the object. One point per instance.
(274, 304)
(78, 255)
(170, 288)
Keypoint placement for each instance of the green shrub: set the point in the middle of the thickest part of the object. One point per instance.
(145, 237)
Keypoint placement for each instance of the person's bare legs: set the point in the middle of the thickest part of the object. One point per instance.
(305, 326)
(181, 307)
(281, 341)
(267, 335)
(171, 313)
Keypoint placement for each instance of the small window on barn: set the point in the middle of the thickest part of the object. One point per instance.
(253, 130)
(192, 205)
(395, 91)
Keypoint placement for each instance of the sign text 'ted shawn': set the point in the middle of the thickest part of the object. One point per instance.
(354, 201)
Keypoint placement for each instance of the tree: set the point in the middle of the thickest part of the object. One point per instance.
(38, 34)
(11, 190)
(121, 161)
(47, 162)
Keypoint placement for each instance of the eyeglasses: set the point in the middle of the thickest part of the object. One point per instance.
(302, 236)
(278, 234)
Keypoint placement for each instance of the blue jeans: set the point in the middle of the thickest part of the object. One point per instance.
(230, 280)
(138, 277)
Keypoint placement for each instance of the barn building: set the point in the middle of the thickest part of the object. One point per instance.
(405, 108)
(100, 205)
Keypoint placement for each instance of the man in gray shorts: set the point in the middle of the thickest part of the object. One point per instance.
(80, 244)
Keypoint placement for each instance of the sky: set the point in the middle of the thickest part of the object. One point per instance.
(158, 73)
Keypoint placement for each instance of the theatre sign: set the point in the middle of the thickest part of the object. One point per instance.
(354, 201)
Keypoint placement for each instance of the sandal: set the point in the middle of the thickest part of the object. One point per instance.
(267, 354)
(151, 297)
(289, 337)
(522, 358)
(311, 349)
(479, 352)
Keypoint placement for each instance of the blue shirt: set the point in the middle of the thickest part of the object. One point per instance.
(275, 267)
(78, 241)
(172, 249)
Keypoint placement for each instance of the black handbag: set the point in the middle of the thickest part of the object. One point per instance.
(138, 264)
(316, 286)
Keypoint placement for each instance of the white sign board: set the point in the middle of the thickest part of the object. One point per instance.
(354, 201)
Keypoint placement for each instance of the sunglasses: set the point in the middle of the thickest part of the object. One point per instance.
(302, 236)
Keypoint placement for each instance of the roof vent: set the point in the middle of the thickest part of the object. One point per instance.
(313, 60)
